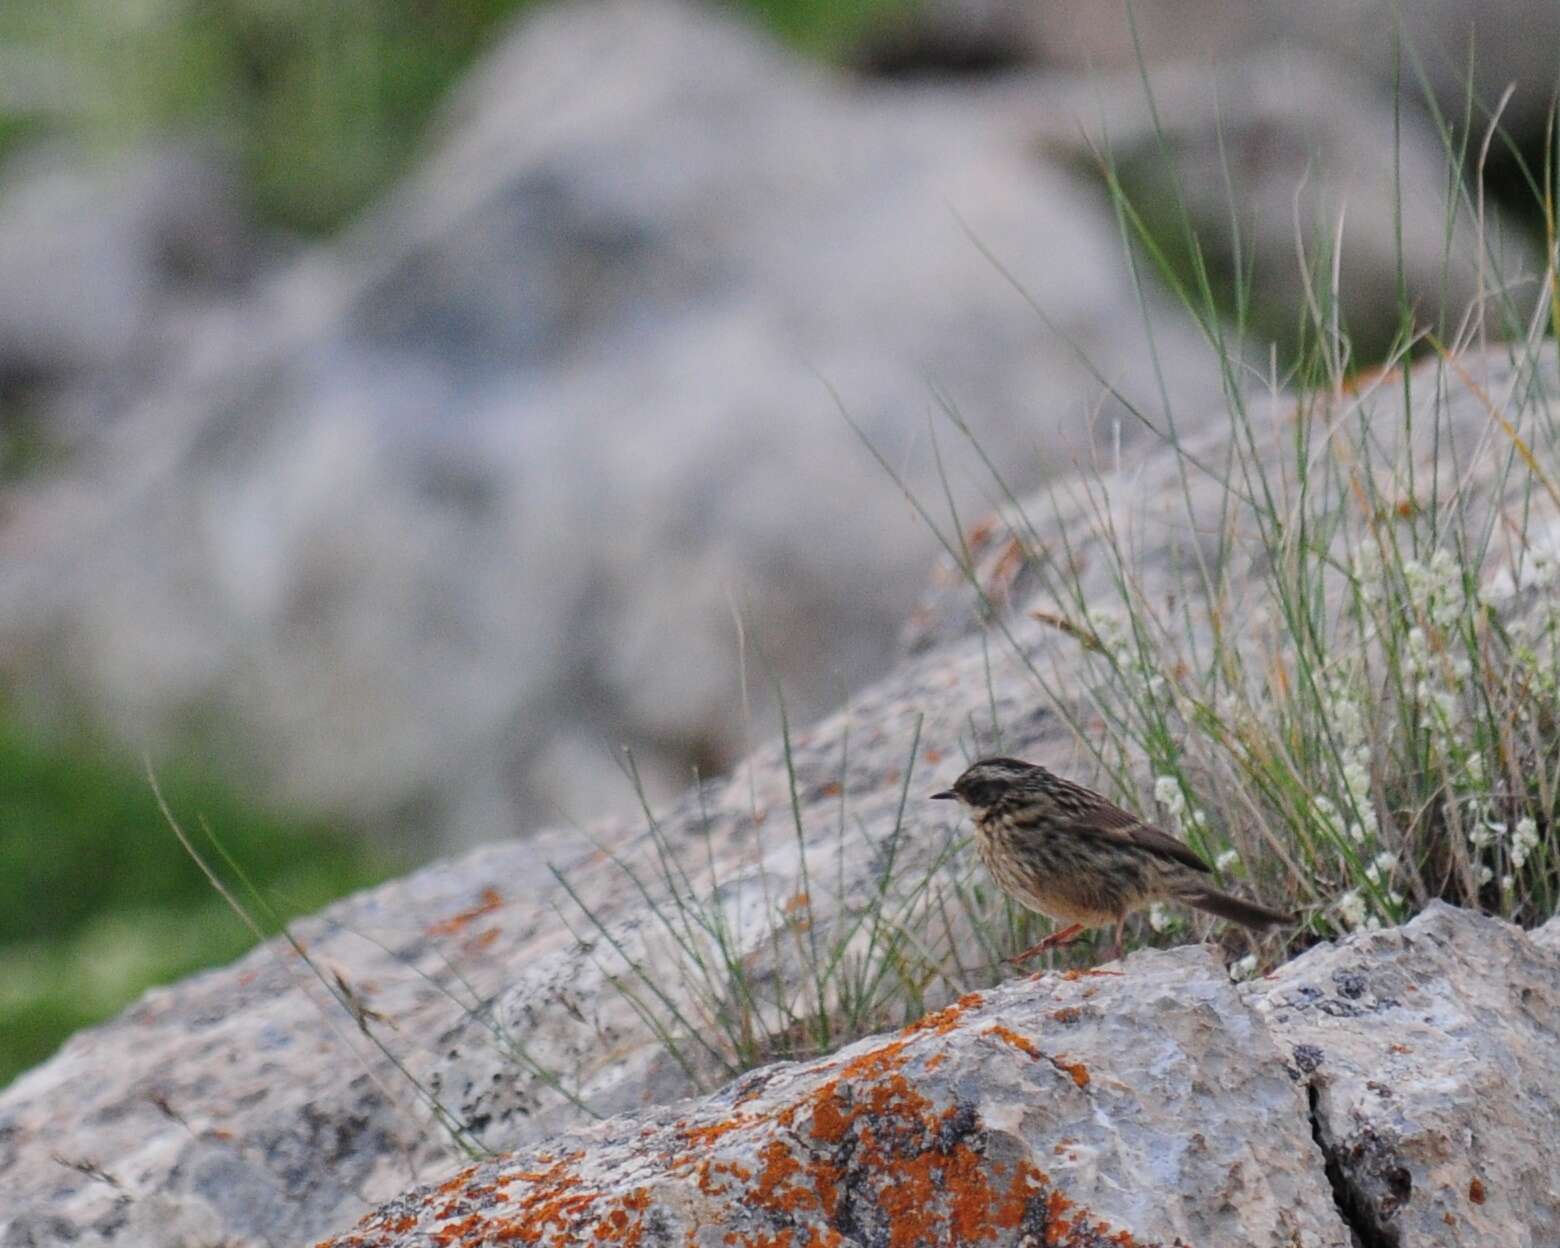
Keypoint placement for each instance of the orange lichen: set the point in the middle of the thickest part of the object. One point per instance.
(864, 1136)
(1078, 1071)
(482, 940)
(1022, 1043)
(489, 901)
(1476, 1191)
(1067, 1014)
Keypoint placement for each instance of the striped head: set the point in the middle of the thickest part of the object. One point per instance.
(992, 782)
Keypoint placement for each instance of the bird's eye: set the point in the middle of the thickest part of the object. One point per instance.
(982, 792)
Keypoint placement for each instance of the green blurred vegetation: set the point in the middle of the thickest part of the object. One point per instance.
(98, 901)
(324, 100)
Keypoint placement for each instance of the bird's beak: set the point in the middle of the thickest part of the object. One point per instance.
(945, 795)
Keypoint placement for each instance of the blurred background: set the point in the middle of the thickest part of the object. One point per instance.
(410, 410)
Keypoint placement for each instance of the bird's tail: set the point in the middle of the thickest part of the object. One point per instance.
(1247, 913)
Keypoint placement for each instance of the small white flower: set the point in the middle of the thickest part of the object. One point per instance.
(1486, 874)
(1245, 968)
(1226, 860)
(1507, 883)
(1159, 918)
(1351, 907)
(1524, 840)
(1386, 862)
(1167, 792)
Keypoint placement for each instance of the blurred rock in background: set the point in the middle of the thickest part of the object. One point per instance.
(455, 508)
(1442, 45)
(538, 459)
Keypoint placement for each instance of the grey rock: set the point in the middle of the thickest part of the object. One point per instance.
(1435, 1084)
(1281, 151)
(449, 513)
(1005, 580)
(1493, 44)
(249, 1100)
(104, 263)
(1135, 1105)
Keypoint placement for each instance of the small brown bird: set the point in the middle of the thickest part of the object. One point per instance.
(1065, 851)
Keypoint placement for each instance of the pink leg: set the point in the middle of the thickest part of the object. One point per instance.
(1064, 937)
(1115, 949)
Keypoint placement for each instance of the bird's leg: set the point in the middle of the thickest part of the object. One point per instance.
(1115, 948)
(1064, 937)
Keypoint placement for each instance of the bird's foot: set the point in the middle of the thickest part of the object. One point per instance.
(1064, 937)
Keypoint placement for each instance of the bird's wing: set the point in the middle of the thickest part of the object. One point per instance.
(1110, 821)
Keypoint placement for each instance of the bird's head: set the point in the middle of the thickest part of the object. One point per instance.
(985, 783)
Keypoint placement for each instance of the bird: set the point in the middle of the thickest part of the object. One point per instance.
(1063, 850)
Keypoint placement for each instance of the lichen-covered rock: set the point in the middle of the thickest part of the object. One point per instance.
(1396, 1088)
(1141, 1104)
(1432, 1054)
(274, 1101)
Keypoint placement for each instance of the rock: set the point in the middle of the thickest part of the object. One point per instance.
(103, 263)
(1140, 1105)
(1449, 42)
(454, 510)
(1296, 151)
(1007, 579)
(519, 1005)
(1431, 1058)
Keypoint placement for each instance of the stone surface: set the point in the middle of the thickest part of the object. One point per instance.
(1431, 1057)
(1280, 152)
(246, 1105)
(96, 255)
(1510, 42)
(1397, 1088)
(1135, 1105)
(455, 509)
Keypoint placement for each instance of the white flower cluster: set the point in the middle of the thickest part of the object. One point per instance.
(1524, 840)
(1437, 597)
(1436, 588)
(1180, 816)
(1381, 868)
(1519, 846)
(1245, 968)
(1438, 663)
(1344, 709)
(1354, 910)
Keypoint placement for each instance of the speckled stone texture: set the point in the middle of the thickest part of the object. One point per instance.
(1432, 1055)
(1135, 1105)
(246, 1107)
